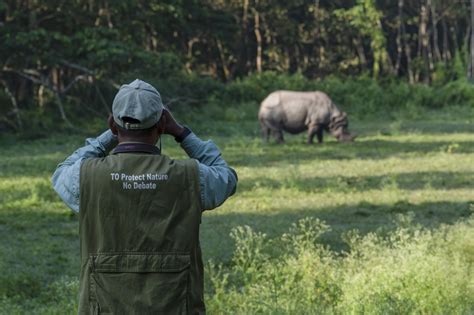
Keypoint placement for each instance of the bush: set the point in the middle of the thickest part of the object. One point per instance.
(361, 97)
(58, 298)
(410, 270)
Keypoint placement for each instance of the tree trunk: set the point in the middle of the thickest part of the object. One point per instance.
(411, 74)
(446, 52)
(286, 59)
(258, 38)
(298, 53)
(454, 36)
(16, 109)
(225, 68)
(471, 64)
(386, 59)
(242, 61)
(56, 88)
(434, 25)
(406, 45)
(357, 40)
(104, 12)
(321, 49)
(399, 37)
(424, 41)
(108, 15)
(266, 31)
(322, 57)
(467, 36)
(465, 46)
(59, 103)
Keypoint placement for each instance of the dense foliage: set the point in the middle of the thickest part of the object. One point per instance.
(58, 58)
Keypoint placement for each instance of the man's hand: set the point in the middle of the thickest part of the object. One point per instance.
(171, 126)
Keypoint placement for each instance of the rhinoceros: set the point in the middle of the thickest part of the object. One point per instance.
(295, 112)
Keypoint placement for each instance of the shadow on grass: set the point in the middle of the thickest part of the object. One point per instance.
(365, 217)
(404, 181)
(291, 153)
(419, 126)
(36, 248)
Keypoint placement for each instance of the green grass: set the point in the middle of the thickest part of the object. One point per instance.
(406, 186)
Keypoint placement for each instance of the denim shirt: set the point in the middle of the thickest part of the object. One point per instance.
(217, 181)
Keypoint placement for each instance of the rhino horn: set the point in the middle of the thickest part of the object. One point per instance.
(347, 137)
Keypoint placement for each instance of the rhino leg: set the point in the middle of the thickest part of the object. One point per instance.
(315, 130)
(278, 134)
(270, 128)
(265, 131)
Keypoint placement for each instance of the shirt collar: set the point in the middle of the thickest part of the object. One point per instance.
(133, 147)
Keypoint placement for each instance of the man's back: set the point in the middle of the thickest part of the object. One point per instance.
(139, 226)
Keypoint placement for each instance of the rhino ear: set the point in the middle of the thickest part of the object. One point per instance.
(332, 122)
(338, 121)
(339, 118)
(344, 118)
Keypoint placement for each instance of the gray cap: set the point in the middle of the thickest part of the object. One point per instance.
(140, 101)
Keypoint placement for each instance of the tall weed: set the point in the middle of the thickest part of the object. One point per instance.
(409, 270)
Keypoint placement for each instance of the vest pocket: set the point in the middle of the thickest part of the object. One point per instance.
(139, 283)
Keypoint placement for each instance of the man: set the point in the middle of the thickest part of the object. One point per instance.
(140, 211)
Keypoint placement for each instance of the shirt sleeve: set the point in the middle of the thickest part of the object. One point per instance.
(217, 180)
(65, 179)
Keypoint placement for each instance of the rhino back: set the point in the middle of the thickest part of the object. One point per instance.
(293, 111)
(311, 101)
(306, 107)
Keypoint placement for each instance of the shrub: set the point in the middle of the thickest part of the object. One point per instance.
(410, 270)
(361, 97)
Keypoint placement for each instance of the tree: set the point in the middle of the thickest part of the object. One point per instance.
(471, 63)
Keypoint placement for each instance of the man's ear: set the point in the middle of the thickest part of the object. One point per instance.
(112, 125)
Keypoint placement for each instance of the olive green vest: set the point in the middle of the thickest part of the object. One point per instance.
(139, 229)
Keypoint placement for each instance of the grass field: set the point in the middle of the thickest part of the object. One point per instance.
(285, 243)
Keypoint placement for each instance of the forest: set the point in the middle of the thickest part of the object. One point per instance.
(381, 225)
(59, 58)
